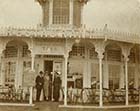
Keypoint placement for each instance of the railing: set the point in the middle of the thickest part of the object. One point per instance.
(8, 94)
(68, 31)
(88, 96)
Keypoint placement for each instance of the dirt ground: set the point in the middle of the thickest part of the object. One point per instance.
(53, 106)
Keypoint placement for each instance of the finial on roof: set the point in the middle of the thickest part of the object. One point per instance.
(105, 27)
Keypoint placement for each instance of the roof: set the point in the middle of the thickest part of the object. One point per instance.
(68, 32)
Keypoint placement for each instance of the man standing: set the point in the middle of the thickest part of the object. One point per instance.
(39, 85)
(56, 86)
(46, 85)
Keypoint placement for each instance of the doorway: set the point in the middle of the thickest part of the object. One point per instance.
(48, 66)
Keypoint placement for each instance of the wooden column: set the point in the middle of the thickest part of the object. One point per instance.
(101, 80)
(126, 79)
(126, 52)
(99, 48)
(32, 62)
(65, 82)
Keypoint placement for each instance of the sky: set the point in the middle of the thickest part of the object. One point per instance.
(121, 15)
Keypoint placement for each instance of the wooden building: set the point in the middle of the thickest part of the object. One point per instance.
(99, 58)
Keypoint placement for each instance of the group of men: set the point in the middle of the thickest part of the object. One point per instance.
(49, 84)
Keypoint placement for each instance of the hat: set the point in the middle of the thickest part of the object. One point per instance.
(41, 72)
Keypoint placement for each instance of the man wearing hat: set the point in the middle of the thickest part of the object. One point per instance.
(39, 85)
(56, 86)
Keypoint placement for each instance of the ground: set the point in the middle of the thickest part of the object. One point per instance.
(53, 106)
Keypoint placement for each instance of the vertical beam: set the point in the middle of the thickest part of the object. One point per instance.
(66, 55)
(17, 76)
(31, 96)
(126, 52)
(126, 79)
(71, 13)
(50, 12)
(101, 84)
(65, 87)
(136, 78)
(32, 62)
(99, 48)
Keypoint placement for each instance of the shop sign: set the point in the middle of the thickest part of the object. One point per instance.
(29, 78)
(49, 50)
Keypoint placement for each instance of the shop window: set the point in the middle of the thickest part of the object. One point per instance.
(10, 70)
(61, 12)
(11, 51)
(78, 51)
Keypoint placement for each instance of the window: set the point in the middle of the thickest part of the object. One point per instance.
(10, 70)
(114, 74)
(26, 65)
(95, 75)
(78, 51)
(25, 51)
(61, 12)
(131, 75)
(132, 57)
(11, 51)
(114, 55)
(92, 53)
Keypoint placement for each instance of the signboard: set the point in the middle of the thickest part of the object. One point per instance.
(29, 78)
(53, 48)
(50, 49)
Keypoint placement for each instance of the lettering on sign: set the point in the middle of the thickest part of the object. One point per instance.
(49, 49)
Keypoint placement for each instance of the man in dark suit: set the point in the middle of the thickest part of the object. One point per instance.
(39, 85)
(56, 86)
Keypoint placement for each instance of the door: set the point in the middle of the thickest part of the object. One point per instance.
(48, 66)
